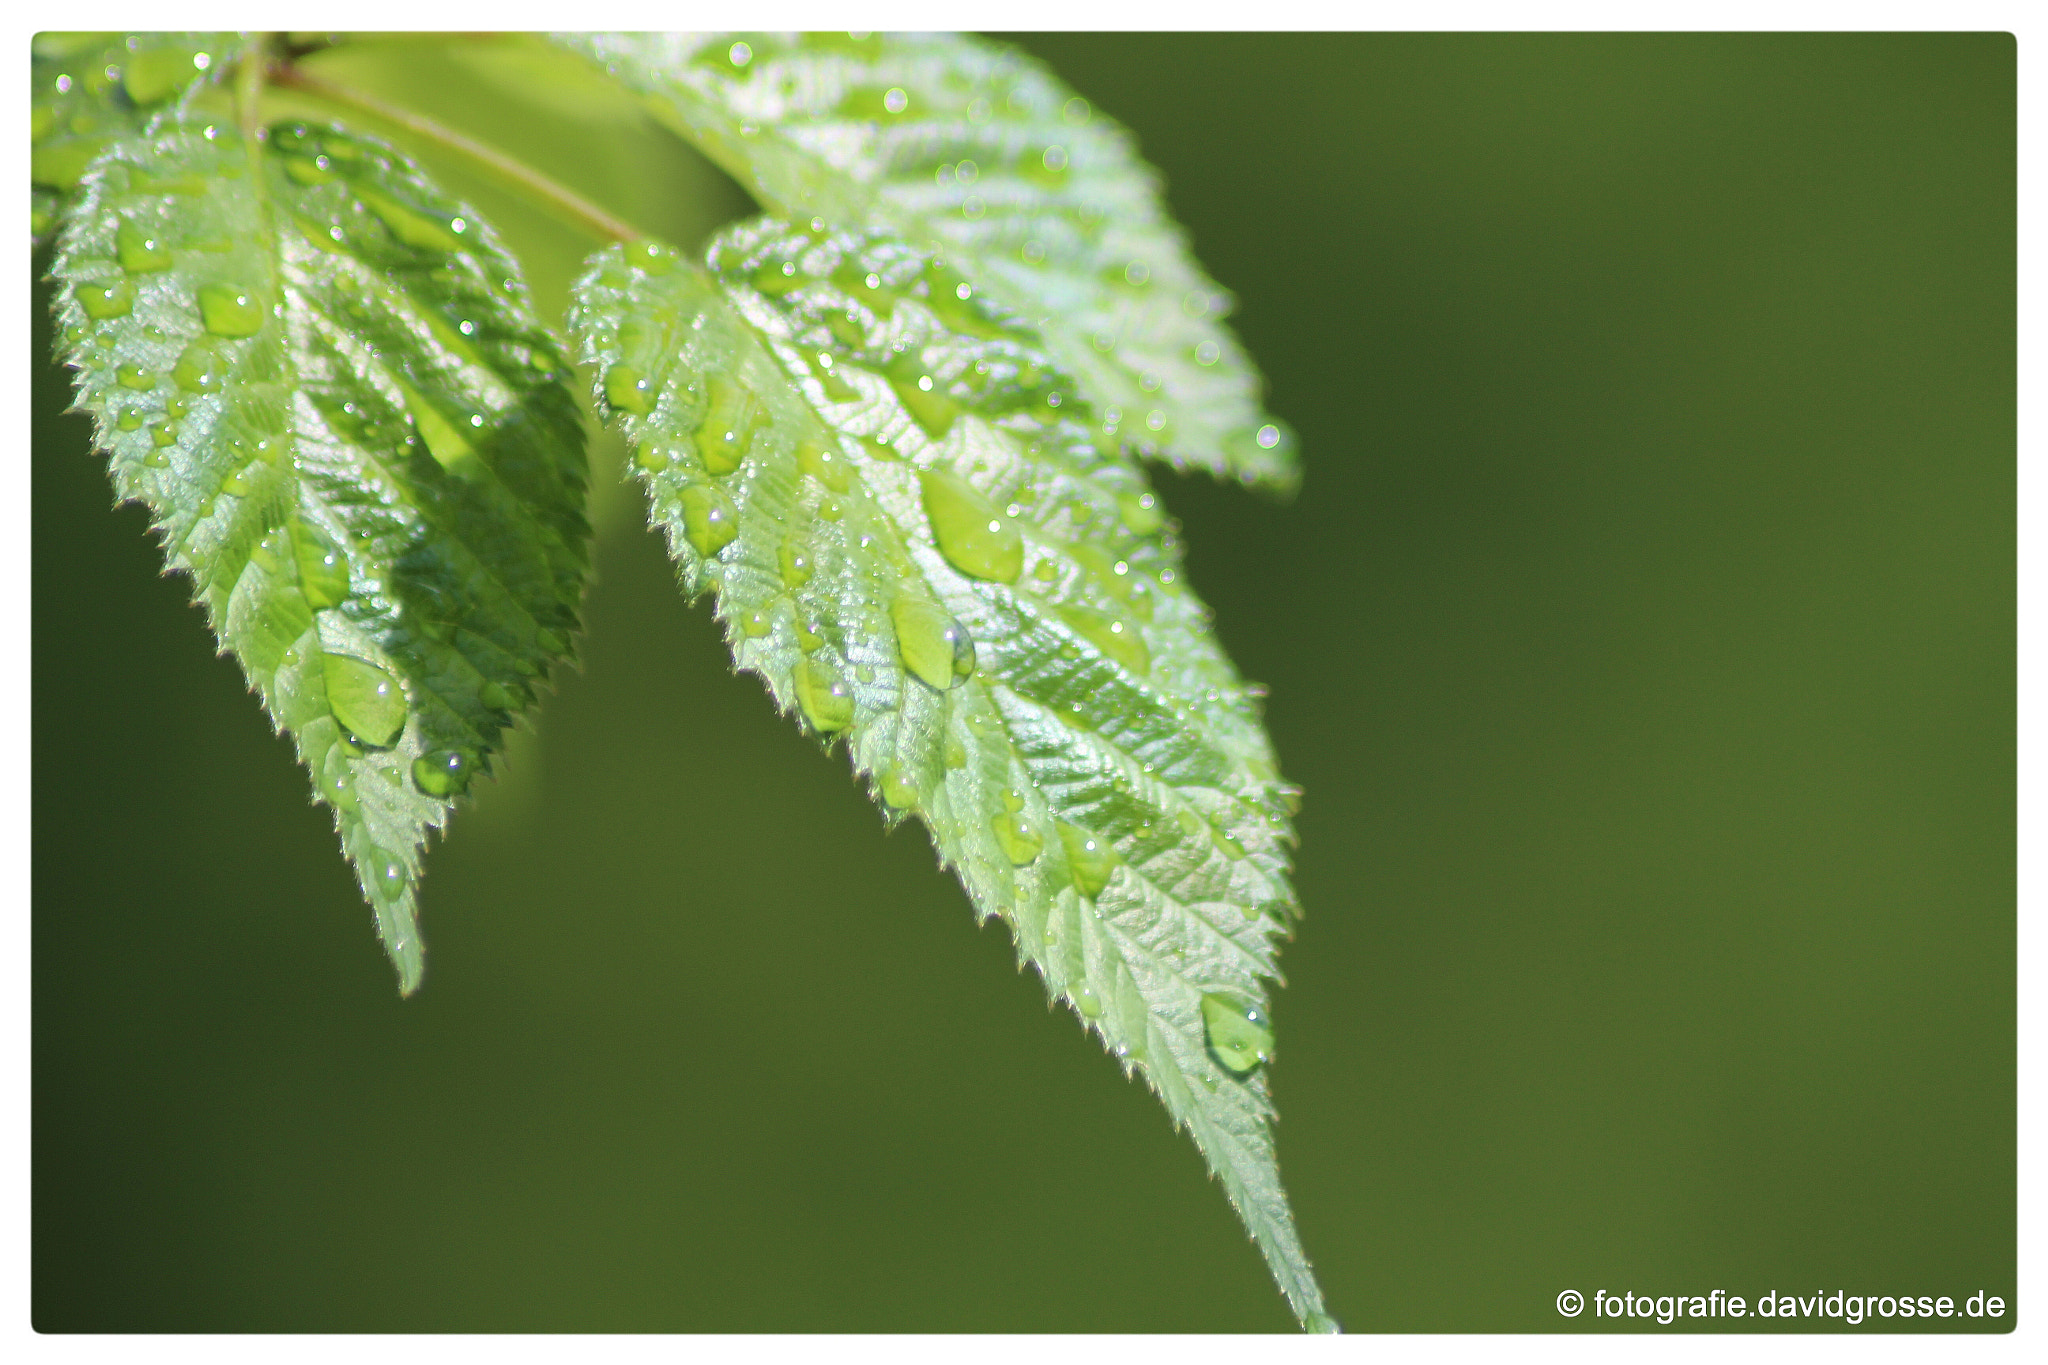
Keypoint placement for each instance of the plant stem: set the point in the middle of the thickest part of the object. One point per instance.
(549, 192)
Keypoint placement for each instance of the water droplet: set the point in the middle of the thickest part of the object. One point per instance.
(105, 298)
(895, 100)
(164, 434)
(135, 377)
(956, 752)
(628, 390)
(754, 624)
(445, 772)
(973, 535)
(710, 521)
(367, 700)
(201, 367)
(899, 789)
(824, 694)
(1240, 1037)
(410, 228)
(309, 170)
(138, 252)
(651, 256)
(935, 647)
(1090, 858)
(1085, 998)
(1054, 159)
(1018, 838)
(807, 635)
(1118, 639)
(933, 411)
(241, 480)
(1268, 437)
(1232, 849)
(386, 873)
(651, 458)
(157, 459)
(731, 412)
(739, 54)
(229, 310)
(825, 464)
(129, 420)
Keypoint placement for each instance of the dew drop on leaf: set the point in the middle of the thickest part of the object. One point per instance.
(1018, 838)
(228, 310)
(936, 648)
(138, 252)
(366, 699)
(730, 415)
(105, 298)
(824, 694)
(709, 519)
(445, 772)
(1240, 1038)
(1089, 857)
(972, 533)
(626, 389)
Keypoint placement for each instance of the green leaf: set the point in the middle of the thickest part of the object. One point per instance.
(975, 151)
(324, 379)
(89, 90)
(912, 536)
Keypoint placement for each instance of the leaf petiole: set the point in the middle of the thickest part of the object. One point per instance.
(543, 189)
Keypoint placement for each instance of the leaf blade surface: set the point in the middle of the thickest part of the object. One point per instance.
(913, 537)
(324, 380)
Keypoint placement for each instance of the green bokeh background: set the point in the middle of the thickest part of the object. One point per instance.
(1643, 636)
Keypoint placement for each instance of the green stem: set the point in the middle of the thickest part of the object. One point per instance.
(550, 193)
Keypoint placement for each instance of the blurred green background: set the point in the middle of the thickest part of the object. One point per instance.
(1643, 636)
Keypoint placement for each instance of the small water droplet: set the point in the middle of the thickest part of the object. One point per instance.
(1018, 838)
(105, 298)
(731, 413)
(710, 521)
(824, 463)
(1085, 998)
(739, 54)
(445, 772)
(824, 694)
(1268, 437)
(899, 789)
(895, 100)
(628, 390)
(651, 457)
(135, 377)
(972, 534)
(936, 648)
(1240, 1036)
(754, 624)
(797, 565)
(164, 434)
(229, 310)
(129, 420)
(138, 252)
(201, 368)
(1090, 858)
(808, 637)
(830, 509)
(322, 567)
(651, 256)
(366, 699)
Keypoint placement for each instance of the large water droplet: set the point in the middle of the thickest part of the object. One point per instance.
(138, 252)
(105, 298)
(824, 694)
(1018, 838)
(1240, 1036)
(415, 230)
(367, 700)
(1089, 857)
(445, 772)
(628, 390)
(973, 533)
(731, 412)
(710, 521)
(935, 647)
